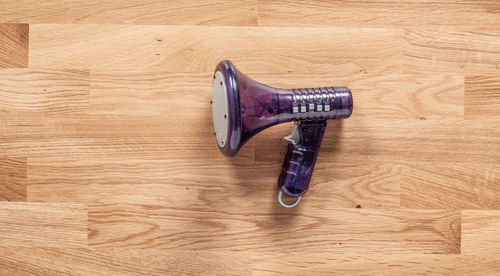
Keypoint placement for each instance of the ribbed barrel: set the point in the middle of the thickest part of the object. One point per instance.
(321, 103)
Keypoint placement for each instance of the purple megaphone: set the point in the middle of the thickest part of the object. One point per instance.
(242, 107)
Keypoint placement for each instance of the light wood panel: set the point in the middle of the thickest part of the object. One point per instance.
(279, 263)
(442, 13)
(79, 261)
(43, 224)
(47, 91)
(482, 97)
(161, 92)
(108, 137)
(212, 12)
(187, 184)
(361, 139)
(471, 51)
(101, 136)
(14, 44)
(180, 183)
(130, 47)
(326, 230)
(13, 179)
(432, 186)
(481, 232)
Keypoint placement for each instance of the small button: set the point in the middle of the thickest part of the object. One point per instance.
(303, 108)
(295, 109)
(319, 107)
(311, 107)
(327, 107)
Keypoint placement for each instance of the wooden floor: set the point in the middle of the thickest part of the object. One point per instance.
(108, 165)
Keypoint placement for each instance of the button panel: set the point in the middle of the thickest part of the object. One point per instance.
(313, 103)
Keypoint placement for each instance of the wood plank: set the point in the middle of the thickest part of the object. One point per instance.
(467, 51)
(225, 184)
(326, 230)
(482, 97)
(199, 49)
(379, 13)
(43, 224)
(158, 93)
(278, 263)
(221, 184)
(436, 186)
(47, 91)
(212, 12)
(360, 140)
(14, 44)
(105, 136)
(84, 261)
(481, 232)
(13, 179)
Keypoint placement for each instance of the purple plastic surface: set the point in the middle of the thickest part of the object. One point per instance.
(254, 107)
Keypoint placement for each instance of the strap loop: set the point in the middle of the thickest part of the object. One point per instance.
(280, 195)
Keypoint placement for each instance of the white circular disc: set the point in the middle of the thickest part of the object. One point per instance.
(220, 114)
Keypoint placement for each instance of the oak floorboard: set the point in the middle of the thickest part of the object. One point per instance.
(14, 39)
(325, 230)
(482, 97)
(435, 186)
(43, 224)
(85, 261)
(279, 263)
(200, 48)
(379, 13)
(480, 232)
(13, 178)
(140, 12)
(44, 91)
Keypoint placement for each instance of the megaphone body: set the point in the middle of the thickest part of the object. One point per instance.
(242, 107)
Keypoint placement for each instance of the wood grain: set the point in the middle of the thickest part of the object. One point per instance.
(455, 51)
(481, 232)
(433, 186)
(108, 165)
(115, 92)
(83, 261)
(44, 91)
(359, 139)
(14, 44)
(102, 136)
(212, 12)
(49, 224)
(180, 183)
(13, 179)
(278, 263)
(344, 230)
(482, 97)
(112, 47)
(446, 13)
(160, 182)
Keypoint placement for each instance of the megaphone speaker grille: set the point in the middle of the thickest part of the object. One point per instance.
(220, 109)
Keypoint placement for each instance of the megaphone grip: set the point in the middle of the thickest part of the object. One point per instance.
(300, 159)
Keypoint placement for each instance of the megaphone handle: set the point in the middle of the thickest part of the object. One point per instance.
(303, 149)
